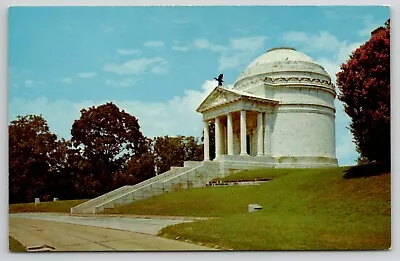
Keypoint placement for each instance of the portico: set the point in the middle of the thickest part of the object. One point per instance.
(240, 121)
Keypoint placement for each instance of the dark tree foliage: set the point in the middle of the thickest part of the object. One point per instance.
(193, 150)
(76, 176)
(35, 159)
(107, 151)
(138, 168)
(364, 84)
(173, 151)
(109, 138)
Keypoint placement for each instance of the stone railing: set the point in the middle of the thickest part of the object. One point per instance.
(147, 189)
(97, 200)
(88, 205)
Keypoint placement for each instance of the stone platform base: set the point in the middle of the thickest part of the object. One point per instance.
(231, 163)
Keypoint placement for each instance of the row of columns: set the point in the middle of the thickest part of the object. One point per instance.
(263, 137)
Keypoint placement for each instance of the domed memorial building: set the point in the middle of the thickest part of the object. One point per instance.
(279, 113)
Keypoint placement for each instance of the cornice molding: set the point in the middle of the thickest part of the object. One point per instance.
(296, 81)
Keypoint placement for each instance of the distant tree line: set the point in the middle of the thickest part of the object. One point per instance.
(107, 150)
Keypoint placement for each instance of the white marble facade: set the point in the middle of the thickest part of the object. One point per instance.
(280, 113)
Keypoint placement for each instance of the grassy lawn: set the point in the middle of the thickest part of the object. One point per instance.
(258, 174)
(61, 206)
(309, 209)
(15, 246)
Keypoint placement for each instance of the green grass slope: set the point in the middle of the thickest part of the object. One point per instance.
(61, 206)
(308, 209)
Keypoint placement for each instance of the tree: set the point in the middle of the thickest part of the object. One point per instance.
(364, 84)
(75, 181)
(173, 151)
(168, 151)
(109, 138)
(35, 159)
(138, 168)
(192, 149)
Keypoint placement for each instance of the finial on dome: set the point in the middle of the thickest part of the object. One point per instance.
(282, 47)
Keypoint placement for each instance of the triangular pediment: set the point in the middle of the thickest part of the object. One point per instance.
(219, 96)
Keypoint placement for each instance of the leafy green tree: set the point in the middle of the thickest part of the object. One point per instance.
(138, 168)
(364, 84)
(192, 149)
(173, 151)
(109, 138)
(168, 151)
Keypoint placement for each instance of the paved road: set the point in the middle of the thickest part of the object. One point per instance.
(149, 226)
(72, 233)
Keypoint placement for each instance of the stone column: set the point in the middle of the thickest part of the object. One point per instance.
(217, 137)
(260, 147)
(230, 134)
(206, 142)
(243, 140)
(267, 135)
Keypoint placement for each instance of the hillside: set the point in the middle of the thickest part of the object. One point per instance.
(302, 209)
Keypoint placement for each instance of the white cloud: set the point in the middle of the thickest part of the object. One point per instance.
(237, 52)
(154, 44)
(156, 65)
(121, 83)
(29, 83)
(321, 41)
(248, 43)
(181, 48)
(66, 80)
(242, 50)
(159, 69)
(231, 61)
(204, 44)
(370, 24)
(128, 51)
(345, 51)
(176, 116)
(295, 36)
(87, 75)
(33, 83)
(59, 114)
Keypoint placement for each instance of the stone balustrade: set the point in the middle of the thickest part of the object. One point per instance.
(191, 175)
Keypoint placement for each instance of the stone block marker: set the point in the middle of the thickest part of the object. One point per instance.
(37, 201)
(254, 207)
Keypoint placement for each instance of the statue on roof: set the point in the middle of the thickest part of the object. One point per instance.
(219, 79)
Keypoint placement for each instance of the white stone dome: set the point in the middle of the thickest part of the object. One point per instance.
(282, 61)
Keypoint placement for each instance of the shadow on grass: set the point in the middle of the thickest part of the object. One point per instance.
(367, 170)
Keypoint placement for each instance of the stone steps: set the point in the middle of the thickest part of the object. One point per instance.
(86, 206)
(193, 174)
(166, 184)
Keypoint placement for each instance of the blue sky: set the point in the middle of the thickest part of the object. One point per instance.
(157, 62)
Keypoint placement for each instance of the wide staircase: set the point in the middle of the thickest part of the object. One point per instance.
(192, 175)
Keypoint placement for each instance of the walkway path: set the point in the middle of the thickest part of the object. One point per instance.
(74, 233)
